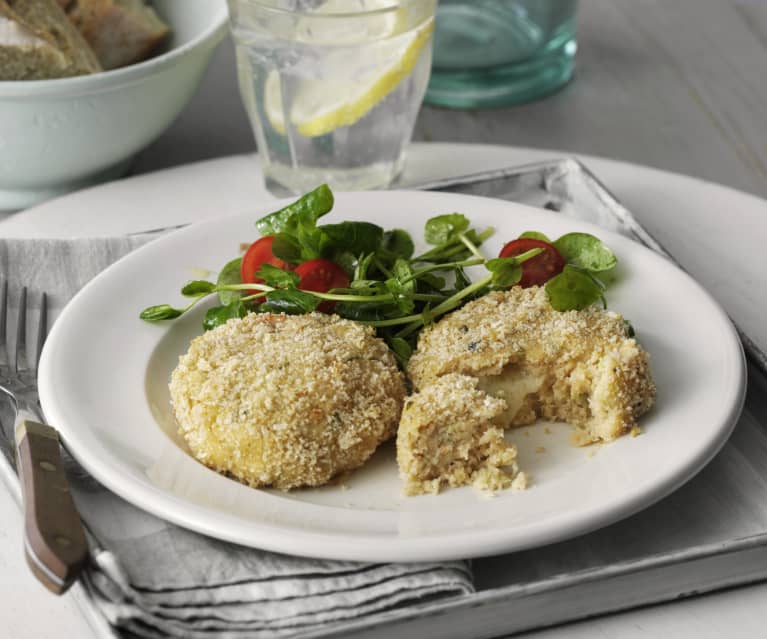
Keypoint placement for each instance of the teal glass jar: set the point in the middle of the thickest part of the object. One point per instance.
(500, 52)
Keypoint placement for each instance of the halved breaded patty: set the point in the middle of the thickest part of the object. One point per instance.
(286, 401)
(448, 436)
(576, 366)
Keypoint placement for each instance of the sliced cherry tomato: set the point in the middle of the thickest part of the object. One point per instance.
(258, 253)
(539, 269)
(321, 275)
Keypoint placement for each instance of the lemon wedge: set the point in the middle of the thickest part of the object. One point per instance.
(348, 89)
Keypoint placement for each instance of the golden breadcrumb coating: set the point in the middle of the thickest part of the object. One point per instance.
(286, 401)
(448, 436)
(576, 366)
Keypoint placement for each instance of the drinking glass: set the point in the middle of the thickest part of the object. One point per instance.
(500, 52)
(332, 87)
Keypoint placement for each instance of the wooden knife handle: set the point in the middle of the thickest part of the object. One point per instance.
(54, 539)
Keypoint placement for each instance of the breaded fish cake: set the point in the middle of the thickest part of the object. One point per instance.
(448, 435)
(286, 401)
(576, 366)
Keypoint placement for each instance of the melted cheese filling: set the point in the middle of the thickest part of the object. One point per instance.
(514, 385)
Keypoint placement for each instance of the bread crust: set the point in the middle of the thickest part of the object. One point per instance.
(120, 32)
(38, 42)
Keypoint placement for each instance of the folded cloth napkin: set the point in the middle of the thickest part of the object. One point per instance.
(150, 578)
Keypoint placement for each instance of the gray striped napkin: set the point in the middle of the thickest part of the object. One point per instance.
(149, 578)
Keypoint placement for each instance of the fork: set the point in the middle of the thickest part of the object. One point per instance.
(54, 540)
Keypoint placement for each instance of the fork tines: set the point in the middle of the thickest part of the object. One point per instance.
(3, 324)
(42, 328)
(20, 357)
(20, 361)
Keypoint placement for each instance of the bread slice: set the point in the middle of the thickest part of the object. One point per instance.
(25, 54)
(38, 42)
(121, 32)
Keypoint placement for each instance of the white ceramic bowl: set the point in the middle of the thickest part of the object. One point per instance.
(59, 135)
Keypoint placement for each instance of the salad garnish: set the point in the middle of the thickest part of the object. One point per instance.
(365, 273)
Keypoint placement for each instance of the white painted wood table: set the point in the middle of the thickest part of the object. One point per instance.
(680, 85)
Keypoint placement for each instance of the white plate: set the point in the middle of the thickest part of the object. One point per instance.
(103, 383)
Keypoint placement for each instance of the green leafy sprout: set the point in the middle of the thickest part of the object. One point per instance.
(390, 288)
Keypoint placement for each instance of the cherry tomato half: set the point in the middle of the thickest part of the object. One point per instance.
(258, 253)
(321, 275)
(539, 269)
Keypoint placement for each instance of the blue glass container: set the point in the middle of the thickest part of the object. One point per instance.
(501, 52)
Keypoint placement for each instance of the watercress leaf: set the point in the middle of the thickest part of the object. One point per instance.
(401, 296)
(290, 301)
(160, 312)
(365, 311)
(362, 266)
(403, 272)
(347, 261)
(507, 276)
(444, 228)
(402, 350)
(405, 305)
(402, 285)
(430, 281)
(307, 210)
(586, 251)
(497, 263)
(357, 238)
(475, 237)
(286, 248)
(535, 235)
(218, 315)
(197, 288)
(451, 251)
(230, 274)
(572, 289)
(433, 255)
(278, 277)
(506, 271)
(311, 240)
(367, 287)
(399, 243)
(461, 279)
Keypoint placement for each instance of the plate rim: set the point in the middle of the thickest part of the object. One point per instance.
(340, 545)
